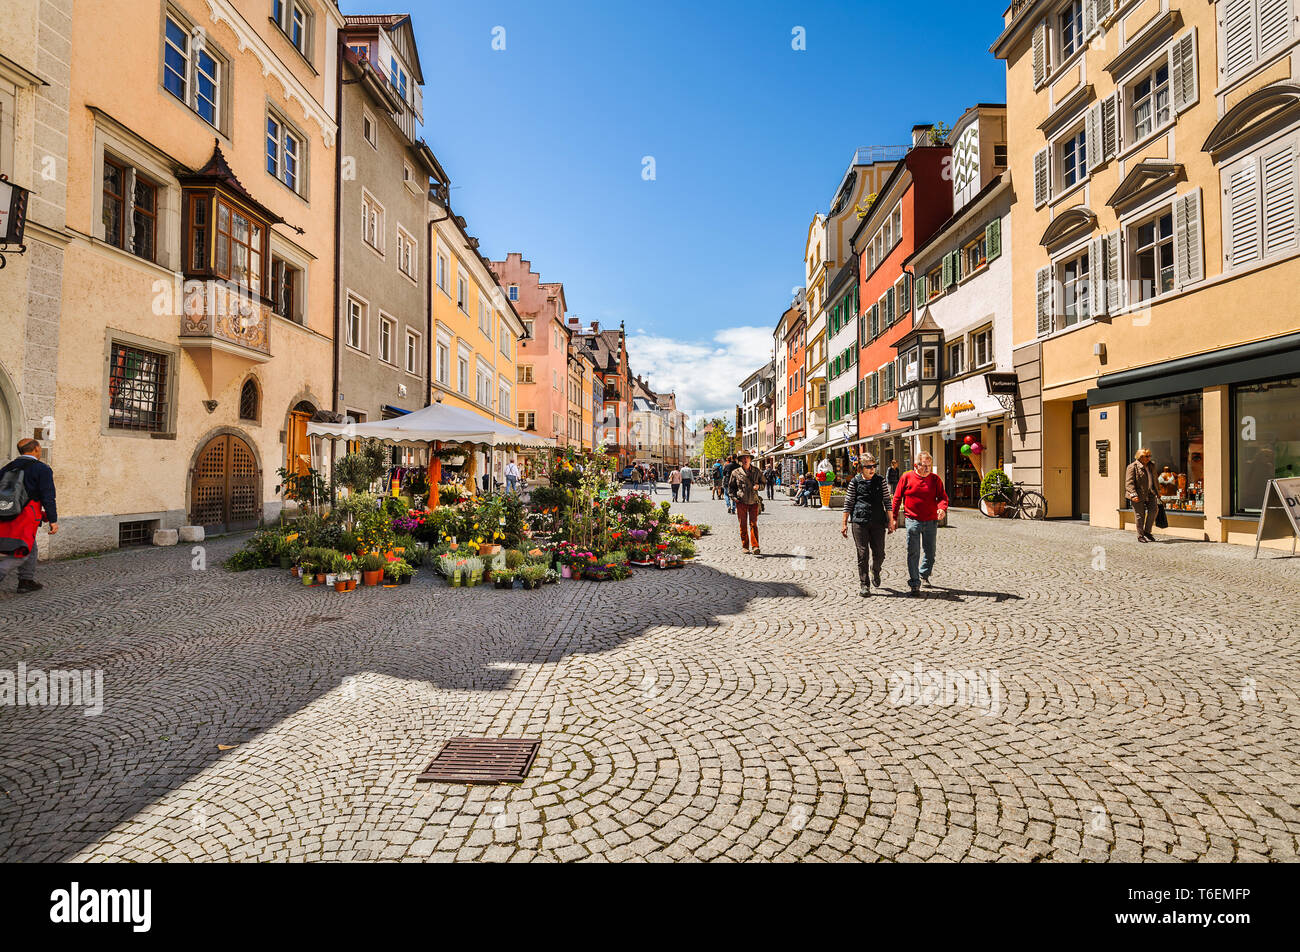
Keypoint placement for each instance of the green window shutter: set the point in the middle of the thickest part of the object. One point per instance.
(890, 307)
(993, 238)
(875, 320)
(947, 271)
(920, 292)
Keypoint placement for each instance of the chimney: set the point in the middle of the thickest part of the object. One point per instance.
(595, 327)
(921, 135)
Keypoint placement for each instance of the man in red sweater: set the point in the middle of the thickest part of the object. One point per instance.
(921, 494)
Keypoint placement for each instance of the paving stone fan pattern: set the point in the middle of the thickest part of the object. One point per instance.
(1091, 699)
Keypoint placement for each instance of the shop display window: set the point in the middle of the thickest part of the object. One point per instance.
(1171, 428)
(1266, 438)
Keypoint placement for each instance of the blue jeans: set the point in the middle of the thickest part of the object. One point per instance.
(686, 490)
(920, 548)
(511, 482)
(726, 497)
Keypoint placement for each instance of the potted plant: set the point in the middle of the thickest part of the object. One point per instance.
(306, 569)
(372, 568)
(504, 578)
(552, 577)
(400, 571)
(448, 567)
(994, 490)
(473, 571)
(533, 574)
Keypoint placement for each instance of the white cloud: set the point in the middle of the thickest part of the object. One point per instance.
(705, 374)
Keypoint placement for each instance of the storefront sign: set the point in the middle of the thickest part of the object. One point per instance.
(1282, 515)
(13, 215)
(1103, 456)
(1001, 384)
(952, 409)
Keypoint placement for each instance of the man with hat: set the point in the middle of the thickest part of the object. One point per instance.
(866, 506)
(743, 490)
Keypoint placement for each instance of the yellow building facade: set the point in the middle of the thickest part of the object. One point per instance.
(1154, 151)
(197, 308)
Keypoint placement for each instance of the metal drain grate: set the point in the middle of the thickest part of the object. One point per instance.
(482, 760)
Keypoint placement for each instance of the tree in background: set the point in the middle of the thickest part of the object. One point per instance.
(719, 438)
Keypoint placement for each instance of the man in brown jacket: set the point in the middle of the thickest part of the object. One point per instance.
(1140, 489)
(743, 488)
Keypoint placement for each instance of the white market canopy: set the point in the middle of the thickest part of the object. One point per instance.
(434, 422)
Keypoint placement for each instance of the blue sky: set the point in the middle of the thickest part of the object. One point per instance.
(545, 140)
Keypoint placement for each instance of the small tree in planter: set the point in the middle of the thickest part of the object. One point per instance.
(995, 490)
(372, 568)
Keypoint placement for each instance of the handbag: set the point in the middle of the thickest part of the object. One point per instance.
(1162, 521)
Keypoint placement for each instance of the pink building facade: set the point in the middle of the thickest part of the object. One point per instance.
(541, 363)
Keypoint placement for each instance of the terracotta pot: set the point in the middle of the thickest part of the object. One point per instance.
(320, 578)
(489, 548)
(995, 508)
(341, 585)
(372, 578)
(352, 584)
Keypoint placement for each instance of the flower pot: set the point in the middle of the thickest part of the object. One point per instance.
(341, 584)
(576, 573)
(455, 580)
(307, 580)
(995, 508)
(404, 580)
(320, 578)
(566, 571)
(489, 548)
(372, 578)
(504, 583)
(294, 572)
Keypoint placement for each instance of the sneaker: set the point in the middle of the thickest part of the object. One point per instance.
(1143, 538)
(29, 585)
(875, 579)
(864, 591)
(914, 591)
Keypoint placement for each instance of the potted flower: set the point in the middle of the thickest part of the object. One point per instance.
(532, 574)
(306, 568)
(552, 577)
(399, 571)
(457, 575)
(503, 578)
(372, 568)
(473, 571)
(995, 488)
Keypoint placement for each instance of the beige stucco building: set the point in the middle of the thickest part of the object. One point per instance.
(197, 302)
(1154, 147)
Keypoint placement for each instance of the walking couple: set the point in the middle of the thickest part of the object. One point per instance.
(920, 494)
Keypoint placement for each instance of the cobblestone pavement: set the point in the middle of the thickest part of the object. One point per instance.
(1140, 704)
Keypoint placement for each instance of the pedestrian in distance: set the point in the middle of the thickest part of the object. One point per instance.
(892, 476)
(743, 491)
(769, 479)
(675, 482)
(867, 508)
(1140, 488)
(688, 476)
(512, 476)
(27, 499)
(717, 479)
(726, 483)
(923, 500)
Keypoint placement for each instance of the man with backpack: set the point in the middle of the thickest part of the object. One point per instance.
(26, 499)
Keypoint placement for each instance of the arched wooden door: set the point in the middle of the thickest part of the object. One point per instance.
(225, 486)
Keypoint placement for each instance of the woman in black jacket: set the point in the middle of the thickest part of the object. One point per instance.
(866, 505)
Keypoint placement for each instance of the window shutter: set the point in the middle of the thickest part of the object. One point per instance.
(1236, 37)
(889, 380)
(1114, 284)
(1094, 146)
(891, 308)
(1104, 9)
(993, 239)
(956, 266)
(1182, 71)
(1097, 276)
(1279, 198)
(947, 271)
(875, 321)
(1040, 53)
(1274, 25)
(1089, 18)
(875, 389)
(1042, 185)
(862, 330)
(1043, 284)
(1109, 128)
(1243, 214)
(904, 294)
(1188, 267)
(920, 291)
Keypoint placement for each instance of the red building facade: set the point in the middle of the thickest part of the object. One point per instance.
(911, 206)
(795, 352)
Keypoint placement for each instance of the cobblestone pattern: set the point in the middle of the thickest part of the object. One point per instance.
(739, 709)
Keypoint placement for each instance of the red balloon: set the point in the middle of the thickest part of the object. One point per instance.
(969, 440)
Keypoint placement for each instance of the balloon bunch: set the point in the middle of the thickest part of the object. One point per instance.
(970, 447)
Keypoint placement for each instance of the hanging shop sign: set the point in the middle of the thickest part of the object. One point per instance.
(1000, 384)
(13, 217)
(1103, 457)
(1279, 515)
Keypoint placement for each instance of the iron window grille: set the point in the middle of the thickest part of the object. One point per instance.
(137, 390)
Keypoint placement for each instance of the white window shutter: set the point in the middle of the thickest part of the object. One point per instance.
(1188, 261)
(1243, 241)
(1278, 194)
(1109, 123)
(1094, 146)
(1114, 278)
(1040, 52)
(1236, 37)
(1274, 25)
(1097, 276)
(1089, 18)
(1042, 181)
(1043, 286)
(1182, 71)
